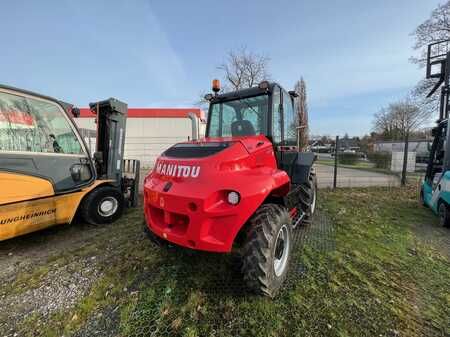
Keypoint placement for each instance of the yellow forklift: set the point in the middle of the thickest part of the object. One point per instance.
(47, 174)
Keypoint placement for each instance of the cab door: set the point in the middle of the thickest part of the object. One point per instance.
(284, 131)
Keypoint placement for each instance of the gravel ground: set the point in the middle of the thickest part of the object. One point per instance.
(48, 272)
(59, 290)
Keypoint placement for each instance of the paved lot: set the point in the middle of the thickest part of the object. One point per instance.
(353, 178)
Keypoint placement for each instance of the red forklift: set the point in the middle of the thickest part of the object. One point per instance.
(245, 187)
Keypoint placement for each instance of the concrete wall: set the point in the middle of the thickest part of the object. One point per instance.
(146, 138)
(397, 162)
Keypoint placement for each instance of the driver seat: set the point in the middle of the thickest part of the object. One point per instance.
(242, 128)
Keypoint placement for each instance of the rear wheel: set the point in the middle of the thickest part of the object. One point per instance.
(444, 214)
(103, 205)
(267, 250)
(308, 197)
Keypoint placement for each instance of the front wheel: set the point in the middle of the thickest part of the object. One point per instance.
(102, 205)
(267, 250)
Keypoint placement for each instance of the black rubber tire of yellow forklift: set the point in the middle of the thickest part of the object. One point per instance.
(308, 197)
(444, 214)
(260, 252)
(103, 205)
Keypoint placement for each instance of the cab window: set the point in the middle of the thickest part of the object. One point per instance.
(34, 125)
(239, 117)
(276, 116)
(289, 123)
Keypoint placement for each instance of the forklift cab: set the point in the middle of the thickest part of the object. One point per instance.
(437, 165)
(39, 139)
(267, 110)
(46, 172)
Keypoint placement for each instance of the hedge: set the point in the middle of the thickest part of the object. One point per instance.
(348, 158)
(381, 160)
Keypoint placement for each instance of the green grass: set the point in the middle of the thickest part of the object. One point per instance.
(379, 279)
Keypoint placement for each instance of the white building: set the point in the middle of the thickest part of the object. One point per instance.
(149, 132)
(418, 146)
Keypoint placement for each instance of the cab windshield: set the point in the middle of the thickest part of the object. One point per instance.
(239, 117)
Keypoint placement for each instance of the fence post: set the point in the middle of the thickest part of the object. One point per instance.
(336, 147)
(405, 159)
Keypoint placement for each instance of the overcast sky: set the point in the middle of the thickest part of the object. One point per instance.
(353, 54)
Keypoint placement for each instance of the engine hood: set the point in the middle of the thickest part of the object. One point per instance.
(205, 158)
(210, 146)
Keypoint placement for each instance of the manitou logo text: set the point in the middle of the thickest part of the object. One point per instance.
(175, 170)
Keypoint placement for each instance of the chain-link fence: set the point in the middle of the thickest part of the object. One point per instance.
(343, 165)
(180, 303)
(336, 166)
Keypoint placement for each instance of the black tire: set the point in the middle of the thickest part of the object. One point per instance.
(308, 197)
(91, 206)
(444, 214)
(259, 252)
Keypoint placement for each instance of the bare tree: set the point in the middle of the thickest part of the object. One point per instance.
(302, 113)
(435, 28)
(407, 116)
(399, 119)
(386, 125)
(244, 69)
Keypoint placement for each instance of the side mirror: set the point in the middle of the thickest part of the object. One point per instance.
(75, 112)
(75, 172)
(292, 93)
(80, 172)
(208, 97)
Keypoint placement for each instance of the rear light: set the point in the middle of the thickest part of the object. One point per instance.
(233, 198)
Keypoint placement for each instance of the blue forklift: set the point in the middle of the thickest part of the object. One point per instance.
(435, 191)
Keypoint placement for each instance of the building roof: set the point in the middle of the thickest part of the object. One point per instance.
(401, 141)
(153, 113)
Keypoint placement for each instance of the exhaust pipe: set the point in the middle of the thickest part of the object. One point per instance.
(194, 121)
